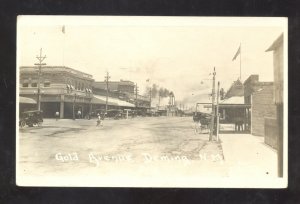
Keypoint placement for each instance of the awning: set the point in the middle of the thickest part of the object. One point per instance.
(99, 100)
(26, 100)
(234, 105)
(111, 101)
(234, 102)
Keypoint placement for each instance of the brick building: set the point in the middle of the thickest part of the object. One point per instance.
(113, 86)
(123, 90)
(62, 89)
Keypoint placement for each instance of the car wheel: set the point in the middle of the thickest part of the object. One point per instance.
(22, 124)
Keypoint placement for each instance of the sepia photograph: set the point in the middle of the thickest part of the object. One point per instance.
(138, 101)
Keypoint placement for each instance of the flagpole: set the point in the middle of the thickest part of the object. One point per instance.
(240, 62)
(64, 47)
(63, 51)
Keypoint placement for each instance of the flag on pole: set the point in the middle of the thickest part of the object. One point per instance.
(63, 30)
(237, 53)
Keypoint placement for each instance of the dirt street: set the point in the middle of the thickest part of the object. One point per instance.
(132, 149)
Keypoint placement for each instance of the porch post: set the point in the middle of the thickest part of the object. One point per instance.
(62, 106)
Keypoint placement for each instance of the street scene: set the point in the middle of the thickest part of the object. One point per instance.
(146, 148)
(136, 102)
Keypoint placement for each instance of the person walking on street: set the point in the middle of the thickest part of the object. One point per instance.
(98, 120)
(79, 114)
(57, 115)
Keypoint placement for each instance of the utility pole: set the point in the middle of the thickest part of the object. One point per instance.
(150, 97)
(136, 94)
(107, 77)
(213, 107)
(40, 64)
(158, 100)
(218, 116)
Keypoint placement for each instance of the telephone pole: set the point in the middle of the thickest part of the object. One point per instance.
(39, 64)
(213, 107)
(218, 116)
(136, 94)
(107, 77)
(150, 97)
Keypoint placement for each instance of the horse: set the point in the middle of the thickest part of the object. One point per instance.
(238, 123)
(202, 121)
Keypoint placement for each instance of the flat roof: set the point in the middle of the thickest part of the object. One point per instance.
(55, 68)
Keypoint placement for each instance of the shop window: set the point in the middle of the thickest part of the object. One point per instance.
(25, 84)
(47, 84)
(34, 85)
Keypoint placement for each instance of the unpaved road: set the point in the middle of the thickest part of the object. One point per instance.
(131, 150)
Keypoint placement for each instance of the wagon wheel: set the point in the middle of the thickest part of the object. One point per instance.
(22, 123)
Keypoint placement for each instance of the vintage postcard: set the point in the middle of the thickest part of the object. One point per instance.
(125, 101)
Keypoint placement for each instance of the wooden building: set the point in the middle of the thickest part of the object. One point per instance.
(260, 96)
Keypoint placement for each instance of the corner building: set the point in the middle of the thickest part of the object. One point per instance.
(62, 89)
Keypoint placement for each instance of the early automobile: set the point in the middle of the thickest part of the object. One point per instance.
(31, 118)
(115, 114)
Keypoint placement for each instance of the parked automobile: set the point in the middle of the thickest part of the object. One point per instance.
(95, 113)
(31, 118)
(115, 114)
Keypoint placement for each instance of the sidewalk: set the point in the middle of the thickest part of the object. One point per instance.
(247, 155)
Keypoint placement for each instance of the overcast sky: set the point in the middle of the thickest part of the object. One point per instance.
(175, 53)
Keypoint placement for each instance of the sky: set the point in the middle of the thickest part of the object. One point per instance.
(175, 53)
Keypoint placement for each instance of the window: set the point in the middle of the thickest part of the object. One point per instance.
(47, 84)
(25, 84)
(34, 84)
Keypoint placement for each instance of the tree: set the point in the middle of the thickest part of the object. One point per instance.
(154, 90)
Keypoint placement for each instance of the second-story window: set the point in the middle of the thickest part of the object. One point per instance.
(25, 85)
(34, 85)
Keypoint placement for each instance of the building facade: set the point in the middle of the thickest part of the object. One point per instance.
(62, 89)
(260, 96)
(236, 89)
(114, 86)
(123, 90)
(274, 127)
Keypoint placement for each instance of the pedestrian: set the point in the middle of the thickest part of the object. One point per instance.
(56, 115)
(79, 114)
(98, 120)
